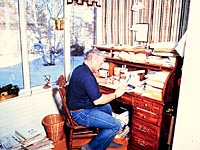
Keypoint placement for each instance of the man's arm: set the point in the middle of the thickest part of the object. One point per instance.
(105, 98)
(100, 80)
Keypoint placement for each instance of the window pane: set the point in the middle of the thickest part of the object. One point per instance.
(10, 49)
(45, 42)
(82, 32)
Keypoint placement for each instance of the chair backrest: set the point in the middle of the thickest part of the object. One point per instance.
(61, 82)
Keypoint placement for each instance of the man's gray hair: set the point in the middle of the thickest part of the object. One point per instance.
(94, 54)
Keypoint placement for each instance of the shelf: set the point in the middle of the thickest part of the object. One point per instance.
(7, 97)
(139, 64)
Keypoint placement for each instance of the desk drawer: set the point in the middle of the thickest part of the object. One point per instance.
(144, 143)
(147, 105)
(156, 108)
(147, 116)
(153, 107)
(137, 102)
(127, 99)
(145, 129)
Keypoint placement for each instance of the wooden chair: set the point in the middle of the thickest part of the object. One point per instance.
(73, 130)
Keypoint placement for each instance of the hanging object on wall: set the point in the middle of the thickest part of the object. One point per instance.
(142, 30)
(137, 5)
(89, 2)
(136, 27)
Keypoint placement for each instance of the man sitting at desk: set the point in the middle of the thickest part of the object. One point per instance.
(89, 107)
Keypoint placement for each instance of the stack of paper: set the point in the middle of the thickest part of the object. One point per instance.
(123, 133)
(155, 83)
(28, 131)
(31, 137)
(158, 60)
(8, 142)
(27, 137)
(123, 116)
(152, 93)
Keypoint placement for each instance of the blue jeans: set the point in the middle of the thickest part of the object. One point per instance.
(101, 117)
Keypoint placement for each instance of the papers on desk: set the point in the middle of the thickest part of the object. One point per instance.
(130, 56)
(164, 50)
(111, 86)
(157, 58)
(152, 94)
(137, 89)
(103, 46)
(162, 54)
(180, 48)
(155, 83)
(164, 45)
(167, 61)
(157, 76)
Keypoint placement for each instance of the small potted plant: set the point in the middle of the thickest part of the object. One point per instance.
(59, 23)
(62, 24)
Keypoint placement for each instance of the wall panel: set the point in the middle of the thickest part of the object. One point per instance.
(18, 111)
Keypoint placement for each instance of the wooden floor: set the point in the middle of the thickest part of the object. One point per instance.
(61, 145)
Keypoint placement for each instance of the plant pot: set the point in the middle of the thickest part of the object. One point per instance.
(57, 24)
(62, 24)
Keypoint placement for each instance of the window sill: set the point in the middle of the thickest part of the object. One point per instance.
(28, 93)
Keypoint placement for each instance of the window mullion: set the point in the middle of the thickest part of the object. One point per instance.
(23, 34)
(67, 9)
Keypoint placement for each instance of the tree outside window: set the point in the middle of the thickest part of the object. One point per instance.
(45, 44)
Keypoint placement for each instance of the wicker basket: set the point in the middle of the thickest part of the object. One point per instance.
(54, 126)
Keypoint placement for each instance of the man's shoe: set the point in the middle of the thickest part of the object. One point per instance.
(85, 147)
(115, 145)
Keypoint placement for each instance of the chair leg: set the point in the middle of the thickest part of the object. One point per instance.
(70, 139)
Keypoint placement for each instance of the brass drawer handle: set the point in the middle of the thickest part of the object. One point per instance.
(143, 129)
(142, 143)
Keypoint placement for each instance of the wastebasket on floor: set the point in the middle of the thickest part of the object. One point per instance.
(54, 126)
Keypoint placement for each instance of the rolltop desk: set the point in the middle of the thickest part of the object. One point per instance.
(152, 114)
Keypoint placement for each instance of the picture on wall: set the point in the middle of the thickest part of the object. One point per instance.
(142, 30)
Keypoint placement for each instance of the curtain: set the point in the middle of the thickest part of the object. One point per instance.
(167, 20)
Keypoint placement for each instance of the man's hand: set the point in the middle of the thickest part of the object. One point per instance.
(120, 90)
